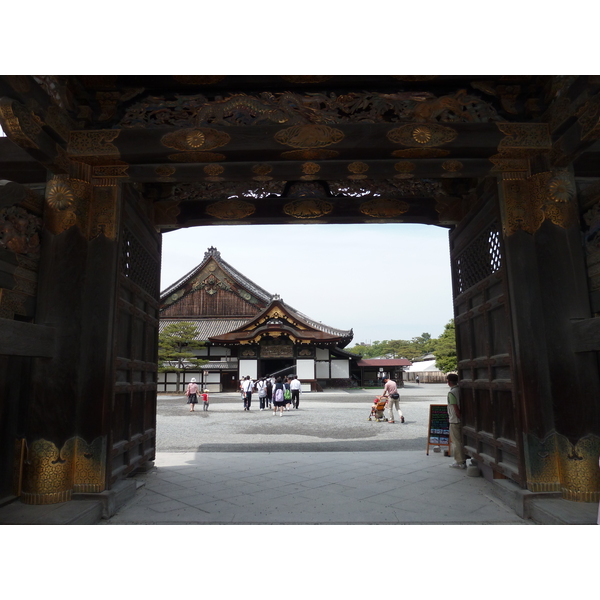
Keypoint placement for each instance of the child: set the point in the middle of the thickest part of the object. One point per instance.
(205, 399)
(378, 406)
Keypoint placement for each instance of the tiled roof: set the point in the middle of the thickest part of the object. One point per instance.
(243, 281)
(206, 328)
(384, 362)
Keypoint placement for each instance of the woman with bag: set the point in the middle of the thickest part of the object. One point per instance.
(192, 394)
(278, 399)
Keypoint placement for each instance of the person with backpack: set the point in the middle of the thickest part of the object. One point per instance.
(261, 386)
(247, 387)
(287, 392)
(278, 397)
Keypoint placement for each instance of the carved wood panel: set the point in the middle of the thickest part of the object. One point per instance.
(133, 413)
(484, 344)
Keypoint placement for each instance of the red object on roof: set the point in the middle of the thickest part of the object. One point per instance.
(384, 362)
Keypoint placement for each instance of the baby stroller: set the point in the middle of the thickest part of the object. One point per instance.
(377, 409)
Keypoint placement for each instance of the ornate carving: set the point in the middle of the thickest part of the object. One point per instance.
(529, 202)
(358, 170)
(405, 166)
(277, 351)
(93, 143)
(422, 136)
(381, 208)
(196, 157)
(588, 117)
(231, 209)
(48, 473)
(164, 171)
(519, 212)
(309, 136)
(68, 204)
(166, 211)
(51, 475)
(309, 154)
(524, 139)
(111, 170)
(194, 139)
(213, 172)
(20, 125)
(104, 213)
(452, 165)
(387, 188)
(12, 302)
(310, 208)
(297, 109)
(90, 470)
(19, 231)
(216, 191)
(451, 210)
(262, 172)
(542, 464)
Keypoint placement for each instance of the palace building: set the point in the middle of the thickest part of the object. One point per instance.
(248, 331)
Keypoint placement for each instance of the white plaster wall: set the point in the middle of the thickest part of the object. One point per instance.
(340, 369)
(305, 368)
(248, 367)
(323, 369)
(322, 354)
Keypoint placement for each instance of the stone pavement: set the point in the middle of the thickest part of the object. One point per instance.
(323, 464)
(312, 488)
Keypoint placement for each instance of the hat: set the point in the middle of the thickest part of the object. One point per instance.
(193, 380)
(206, 391)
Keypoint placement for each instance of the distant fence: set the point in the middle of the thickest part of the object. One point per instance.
(426, 376)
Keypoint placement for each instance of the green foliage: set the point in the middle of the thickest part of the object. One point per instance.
(410, 349)
(445, 349)
(176, 343)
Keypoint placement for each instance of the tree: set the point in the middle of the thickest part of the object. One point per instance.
(176, 343)
(445, 349)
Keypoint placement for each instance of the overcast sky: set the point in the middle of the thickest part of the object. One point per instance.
(384, 281)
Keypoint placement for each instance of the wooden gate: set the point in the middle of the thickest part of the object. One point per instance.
(491, 420)
(133, 411)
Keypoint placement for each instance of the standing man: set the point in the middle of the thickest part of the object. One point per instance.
(296, 388)
(455, 424)
(247, 386)
(390, 391)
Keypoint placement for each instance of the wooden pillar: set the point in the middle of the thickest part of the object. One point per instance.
(558, 388)
(67, 424)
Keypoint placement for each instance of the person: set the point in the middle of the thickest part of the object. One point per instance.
(269, 383)
(455, 422)
(286, 387)
(205, 400)
(247, 387)
(417, 379)
(390, 391)
(296, 388)
(191, 393)
(261, 386)
(278, 400)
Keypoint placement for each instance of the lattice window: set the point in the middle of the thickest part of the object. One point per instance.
(139, 265)
(480, 259)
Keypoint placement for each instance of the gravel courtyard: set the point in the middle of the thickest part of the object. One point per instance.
(325, 422)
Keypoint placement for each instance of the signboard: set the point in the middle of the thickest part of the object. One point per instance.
(438, 431)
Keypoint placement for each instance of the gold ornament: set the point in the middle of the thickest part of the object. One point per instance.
(59, 195)
(309, 136)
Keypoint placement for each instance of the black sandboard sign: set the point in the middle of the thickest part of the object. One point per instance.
(438, 431)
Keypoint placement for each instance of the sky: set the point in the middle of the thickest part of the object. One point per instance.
(384, 281)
